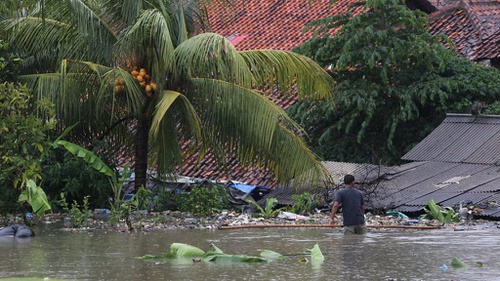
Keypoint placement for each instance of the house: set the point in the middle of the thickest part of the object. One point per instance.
(457, 164)
(278, 24)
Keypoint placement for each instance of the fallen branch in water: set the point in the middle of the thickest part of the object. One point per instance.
(227, 227)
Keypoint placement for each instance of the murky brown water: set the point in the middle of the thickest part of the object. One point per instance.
(380, 255)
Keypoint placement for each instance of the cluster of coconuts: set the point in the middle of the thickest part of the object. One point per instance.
(144, 80)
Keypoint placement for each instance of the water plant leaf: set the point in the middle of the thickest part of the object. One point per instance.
(316, 254)
(214, 250)
(268, 254)
(456, 263)
(181, 250)
(479, 264)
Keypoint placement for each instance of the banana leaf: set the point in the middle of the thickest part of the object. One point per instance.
(434, 211)
(268, 254)
(316, 254)
(214, 250)
(181, 250)
(89, 157)
(35, 197)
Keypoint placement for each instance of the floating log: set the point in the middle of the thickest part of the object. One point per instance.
(227, 227)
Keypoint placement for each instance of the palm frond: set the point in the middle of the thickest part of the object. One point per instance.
(255, 129)
(128, 99)
(68, 29)
(152, 30)
(174, 115)
(211, 56)
(285, 69)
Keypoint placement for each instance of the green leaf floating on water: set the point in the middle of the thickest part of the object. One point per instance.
(181, 250)
(214, 250)
(268, 254)
(316, 254)
(214, 254)
(479, 264)
(456, 263)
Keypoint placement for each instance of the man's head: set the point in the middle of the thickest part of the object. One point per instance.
(348, 179)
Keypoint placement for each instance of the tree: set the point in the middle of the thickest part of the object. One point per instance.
(131, 71)
(24, 127)
(395, 81)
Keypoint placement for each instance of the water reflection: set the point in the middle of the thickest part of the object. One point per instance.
(379, 255)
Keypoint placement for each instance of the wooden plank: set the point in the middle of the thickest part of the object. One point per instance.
(228, 227)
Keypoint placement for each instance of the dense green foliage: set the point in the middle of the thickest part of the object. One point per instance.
(305, 203)
(203, 201)
(9, 63)
(24, 125)
(395, 83)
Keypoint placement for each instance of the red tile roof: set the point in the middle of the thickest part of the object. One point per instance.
(473, 25)
(270, 24)
(277, 24)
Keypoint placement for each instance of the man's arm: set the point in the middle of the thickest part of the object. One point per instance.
(334, 212)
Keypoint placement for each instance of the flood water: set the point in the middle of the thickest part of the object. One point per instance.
(379, 255)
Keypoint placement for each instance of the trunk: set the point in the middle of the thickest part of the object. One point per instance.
(141, 153)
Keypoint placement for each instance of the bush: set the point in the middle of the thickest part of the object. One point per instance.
(305, 203)
(203, 201)
(72, 176)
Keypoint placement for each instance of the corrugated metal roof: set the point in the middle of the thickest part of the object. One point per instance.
(490, 186)
(445, 183)
(466, 199)
(458, 163)
(461, 138)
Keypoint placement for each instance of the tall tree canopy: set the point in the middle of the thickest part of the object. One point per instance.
(136, 72)
(395, 81)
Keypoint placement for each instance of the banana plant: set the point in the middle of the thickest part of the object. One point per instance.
(443, 215)
(97, 164)
(35, 197)
(268, 211)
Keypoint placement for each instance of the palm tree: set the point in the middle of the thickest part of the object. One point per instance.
(133, 72)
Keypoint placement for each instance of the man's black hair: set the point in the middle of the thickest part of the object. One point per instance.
(348, 179)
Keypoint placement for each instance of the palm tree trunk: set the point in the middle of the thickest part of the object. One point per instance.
(141, 152)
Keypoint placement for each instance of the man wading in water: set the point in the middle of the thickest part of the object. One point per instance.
(353, 207)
